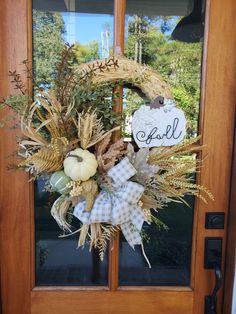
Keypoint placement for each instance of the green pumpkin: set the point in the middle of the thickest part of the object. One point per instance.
(59, 180)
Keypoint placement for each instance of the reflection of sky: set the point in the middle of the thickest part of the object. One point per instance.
(84, 28)
(156, 22)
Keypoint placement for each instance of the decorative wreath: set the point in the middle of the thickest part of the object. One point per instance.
(108, 185)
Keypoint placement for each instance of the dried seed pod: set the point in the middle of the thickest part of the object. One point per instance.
(89, 192)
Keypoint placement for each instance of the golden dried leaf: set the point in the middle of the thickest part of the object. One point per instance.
(48, 158)
(107, 155)
(89, 192)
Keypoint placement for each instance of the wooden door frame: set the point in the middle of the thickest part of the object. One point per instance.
(15, 236)
(18, 293)
(230, 262)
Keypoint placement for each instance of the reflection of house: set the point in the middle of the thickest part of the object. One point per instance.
(152, 8)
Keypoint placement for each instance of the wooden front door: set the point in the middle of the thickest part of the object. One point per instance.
(26, 288)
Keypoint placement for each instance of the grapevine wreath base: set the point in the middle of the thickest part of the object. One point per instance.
(108, 185)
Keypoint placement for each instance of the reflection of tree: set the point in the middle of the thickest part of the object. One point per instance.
(139, 39)
(179, 63)
(48, 41)
(148, 42)
(86, 53)
(48, 31)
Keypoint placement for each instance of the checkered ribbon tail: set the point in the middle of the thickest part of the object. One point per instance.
(119, 207)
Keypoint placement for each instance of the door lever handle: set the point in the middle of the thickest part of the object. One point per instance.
(211, 301)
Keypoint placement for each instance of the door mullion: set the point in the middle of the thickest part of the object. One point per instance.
(118, 48)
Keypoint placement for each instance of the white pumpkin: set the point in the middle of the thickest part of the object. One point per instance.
(80, 165)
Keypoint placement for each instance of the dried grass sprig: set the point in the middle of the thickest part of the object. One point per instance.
(90, 129)
(89, 71)
(174, 180)
(108, 154)
(95, 235)
(47, 127)
(66, 79)
(99, 235)
(60, 210)
(49, 158)
(108, 232)
(30, 132)
(165, 153)
(192, 188)
(57, 117)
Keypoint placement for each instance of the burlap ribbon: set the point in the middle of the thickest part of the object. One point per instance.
(119, 206)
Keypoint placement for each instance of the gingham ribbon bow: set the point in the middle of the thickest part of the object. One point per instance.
(119, 207)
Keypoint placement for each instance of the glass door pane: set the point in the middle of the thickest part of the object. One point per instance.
(167, 244)
(150, 28)
(89, 26)
(168, 248)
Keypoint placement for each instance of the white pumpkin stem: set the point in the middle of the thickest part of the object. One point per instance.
(79, 159)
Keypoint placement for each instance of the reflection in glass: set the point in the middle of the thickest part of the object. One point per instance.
(167, 244)
(89, 26)
(58, 261)
(85, 24)
(168, 249)
(148, 40)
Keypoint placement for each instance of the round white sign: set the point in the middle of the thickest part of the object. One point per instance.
(164, 126)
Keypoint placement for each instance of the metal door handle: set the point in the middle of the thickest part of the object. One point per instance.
(211, 301)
